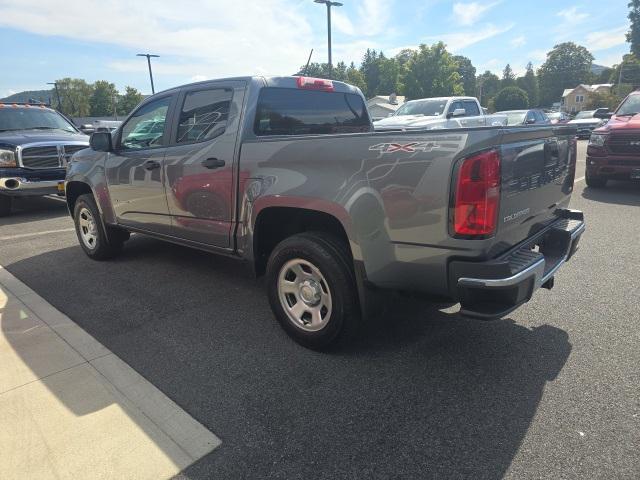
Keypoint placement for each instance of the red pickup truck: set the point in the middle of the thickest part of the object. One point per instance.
(614, 148)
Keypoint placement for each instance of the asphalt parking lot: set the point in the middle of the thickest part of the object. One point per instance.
(550, 392)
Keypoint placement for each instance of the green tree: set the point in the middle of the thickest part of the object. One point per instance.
(389, 74)
(529, 83)
(467, 72)
(630, 71)
(603, 76)
(129, 100)
(432, 72)
(488, 85)
(74, 96)
(599, 100)
(633, 35)
(511, 98)
(103, 99)
(567, 66)
(355, 78)
(508, 77)
(370, 69)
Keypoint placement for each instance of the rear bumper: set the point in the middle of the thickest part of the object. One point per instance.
(585, 131)
(493, 289)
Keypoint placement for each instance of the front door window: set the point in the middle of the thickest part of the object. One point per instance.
(145, 129)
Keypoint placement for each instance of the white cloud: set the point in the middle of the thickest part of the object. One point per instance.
(539, 55)
(518, 41)
(606, 39)
(572, 16)
(469, 13)
(608, 60)
(210, 39)
(372, 18)
(460, 40)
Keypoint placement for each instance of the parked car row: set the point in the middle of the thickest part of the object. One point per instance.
(439, 113)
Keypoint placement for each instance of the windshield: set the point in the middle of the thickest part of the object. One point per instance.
(422, 107)
(32, 118)
(514, 118)
(554, 115)
(630, 106)
(584, 114)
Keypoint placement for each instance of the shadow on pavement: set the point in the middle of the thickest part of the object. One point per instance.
(31, 209)
(619, 193)
(421, 394)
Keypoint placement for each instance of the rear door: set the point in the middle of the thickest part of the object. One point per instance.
(538, 169)
(134, 168)
(199, 165)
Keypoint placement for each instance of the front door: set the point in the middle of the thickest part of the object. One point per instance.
(134, 169)
(199, 163)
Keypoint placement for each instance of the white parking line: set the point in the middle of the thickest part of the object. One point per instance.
(578, 180)
(36, 234)
(56, 197)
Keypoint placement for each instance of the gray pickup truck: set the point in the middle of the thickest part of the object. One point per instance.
(288, 175)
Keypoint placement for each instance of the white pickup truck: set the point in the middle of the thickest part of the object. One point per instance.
(439, 113)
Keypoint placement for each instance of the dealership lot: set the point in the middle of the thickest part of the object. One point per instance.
(550, 392)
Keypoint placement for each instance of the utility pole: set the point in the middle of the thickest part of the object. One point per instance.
(148, 55)
(115, 106)
(329, 4)
(55, 84)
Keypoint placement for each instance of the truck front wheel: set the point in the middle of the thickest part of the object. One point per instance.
(312, 290)
(91, 233)
(595, 181)
(5, 205)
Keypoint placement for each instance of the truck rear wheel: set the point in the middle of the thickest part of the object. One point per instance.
(5, 205)
(312, 290)
(91, 233)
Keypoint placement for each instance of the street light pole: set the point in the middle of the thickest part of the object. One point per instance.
(148, 55)
(329, 4)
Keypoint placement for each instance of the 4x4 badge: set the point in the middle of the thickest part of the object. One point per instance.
(404, 147)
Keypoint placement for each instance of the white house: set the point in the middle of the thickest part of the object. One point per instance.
(575, 99)
(381, 106)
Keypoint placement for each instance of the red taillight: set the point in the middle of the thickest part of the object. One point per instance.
(477, 195)
(310, 83)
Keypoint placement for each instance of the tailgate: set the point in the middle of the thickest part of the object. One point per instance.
(538, 169)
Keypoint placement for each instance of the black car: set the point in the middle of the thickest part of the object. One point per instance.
(525, 117)
(36, 143)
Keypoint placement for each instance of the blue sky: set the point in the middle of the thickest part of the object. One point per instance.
(42, 40)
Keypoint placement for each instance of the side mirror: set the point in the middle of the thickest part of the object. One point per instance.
(458, 112)
(101, 142)
(603, 113)
(530, 121)
(390, 115)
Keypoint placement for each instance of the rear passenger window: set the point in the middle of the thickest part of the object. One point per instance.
(204, 115)
(286, 111)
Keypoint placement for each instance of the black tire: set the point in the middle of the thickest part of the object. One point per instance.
(594, 181)
(5, 205)
(105, 245)
(331, 257)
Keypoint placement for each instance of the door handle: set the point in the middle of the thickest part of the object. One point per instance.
(213, 163)
(151, 165)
